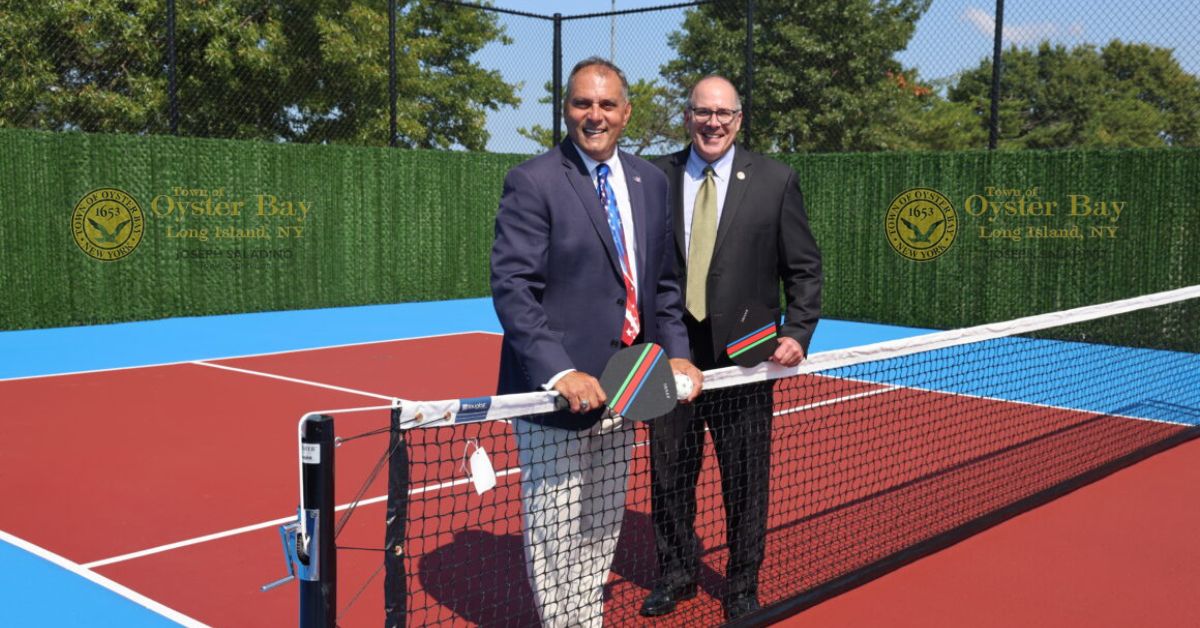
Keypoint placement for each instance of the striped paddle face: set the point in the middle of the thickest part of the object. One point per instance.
(752, 339)
(639, 383)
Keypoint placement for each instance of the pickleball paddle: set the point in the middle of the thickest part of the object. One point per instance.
(753, 337)
(639, 383)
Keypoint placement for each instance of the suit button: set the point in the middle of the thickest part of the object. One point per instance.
(621, 302)
(615, 343)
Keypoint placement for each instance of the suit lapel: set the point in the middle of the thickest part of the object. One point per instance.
(741, 176)
(678, 165)
(579, 178)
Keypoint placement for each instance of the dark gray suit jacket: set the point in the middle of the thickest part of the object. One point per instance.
(556, 279)
(763, 239)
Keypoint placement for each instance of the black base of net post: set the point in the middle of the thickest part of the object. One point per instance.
(395, 584)
(318, 593)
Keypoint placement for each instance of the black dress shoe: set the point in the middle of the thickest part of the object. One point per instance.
(662, 599)
(741, 605)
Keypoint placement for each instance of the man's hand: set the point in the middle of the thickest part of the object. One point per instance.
(684, 366)
(581, 390)
(788, 353)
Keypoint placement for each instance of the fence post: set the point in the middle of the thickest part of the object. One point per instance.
(748, 95)
(172, 97)
(997, 50)
(556, 96)
(391, 9)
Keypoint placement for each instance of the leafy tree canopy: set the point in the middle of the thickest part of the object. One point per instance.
(1122, 95)
(313, 71)
(823, 71)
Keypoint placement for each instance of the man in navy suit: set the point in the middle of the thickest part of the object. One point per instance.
(741, 232)
(582, 265)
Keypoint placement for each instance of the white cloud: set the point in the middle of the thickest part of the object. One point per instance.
(1032, 33)
(1021, 34)
(981, 20)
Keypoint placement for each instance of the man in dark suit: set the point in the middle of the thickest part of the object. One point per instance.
(582, 265)
(740, 230)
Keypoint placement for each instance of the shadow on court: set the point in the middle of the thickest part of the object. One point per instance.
(481, 577)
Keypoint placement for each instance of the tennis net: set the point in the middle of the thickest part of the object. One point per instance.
(878, 455)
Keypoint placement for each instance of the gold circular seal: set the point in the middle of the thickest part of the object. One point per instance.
(107, 224)
(921, 224)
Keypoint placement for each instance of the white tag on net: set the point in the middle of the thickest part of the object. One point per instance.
(482, 475)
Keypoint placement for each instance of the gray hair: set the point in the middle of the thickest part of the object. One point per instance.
(604, 63)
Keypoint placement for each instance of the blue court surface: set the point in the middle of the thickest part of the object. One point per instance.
(1147, 384)
(38, 588)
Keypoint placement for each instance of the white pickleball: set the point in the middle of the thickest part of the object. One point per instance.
(683, 386)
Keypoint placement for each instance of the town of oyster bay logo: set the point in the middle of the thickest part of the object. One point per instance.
(107, 224)
(921, 224)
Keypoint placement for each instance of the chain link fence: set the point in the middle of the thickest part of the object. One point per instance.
(450, 74)
(635, 39)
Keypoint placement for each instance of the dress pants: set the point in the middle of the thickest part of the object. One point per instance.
(573, 498)
(739, 420)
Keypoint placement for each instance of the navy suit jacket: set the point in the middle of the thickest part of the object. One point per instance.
(556, 279)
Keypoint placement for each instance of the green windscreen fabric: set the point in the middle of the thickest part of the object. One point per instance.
(1034, 232)
(105, 228)
(230, 226)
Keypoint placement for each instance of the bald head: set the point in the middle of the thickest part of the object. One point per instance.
(715, 82)
(713, 117)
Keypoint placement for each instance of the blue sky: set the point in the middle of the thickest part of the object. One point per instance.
(953, 35)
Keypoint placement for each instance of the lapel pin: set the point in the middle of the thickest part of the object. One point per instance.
(637, 179)
(741, 175)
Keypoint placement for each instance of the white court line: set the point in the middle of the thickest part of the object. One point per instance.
(85, 572)
(295, 380)
(273, 523)
(884, 388)
(375, 500)
(829, 402)
(357, 344)
(250, 355)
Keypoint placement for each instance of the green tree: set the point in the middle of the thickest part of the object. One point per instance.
(655, 127)
(920, 119)
(822, 70)
(309, 71)
(1123, 95)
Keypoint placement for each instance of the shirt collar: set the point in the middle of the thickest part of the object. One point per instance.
(721, 167)
(614, 162)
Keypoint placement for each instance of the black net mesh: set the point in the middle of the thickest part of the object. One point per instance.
(787, 485)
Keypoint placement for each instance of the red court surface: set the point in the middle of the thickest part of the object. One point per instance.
(1118, 553)
(172, 481)
(104, 464)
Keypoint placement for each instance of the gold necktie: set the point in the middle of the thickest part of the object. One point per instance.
(704, 235)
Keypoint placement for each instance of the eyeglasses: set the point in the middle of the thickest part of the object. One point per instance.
(724, 116)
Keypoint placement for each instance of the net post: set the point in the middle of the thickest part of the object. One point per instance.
(318, 591)
(395, 584)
